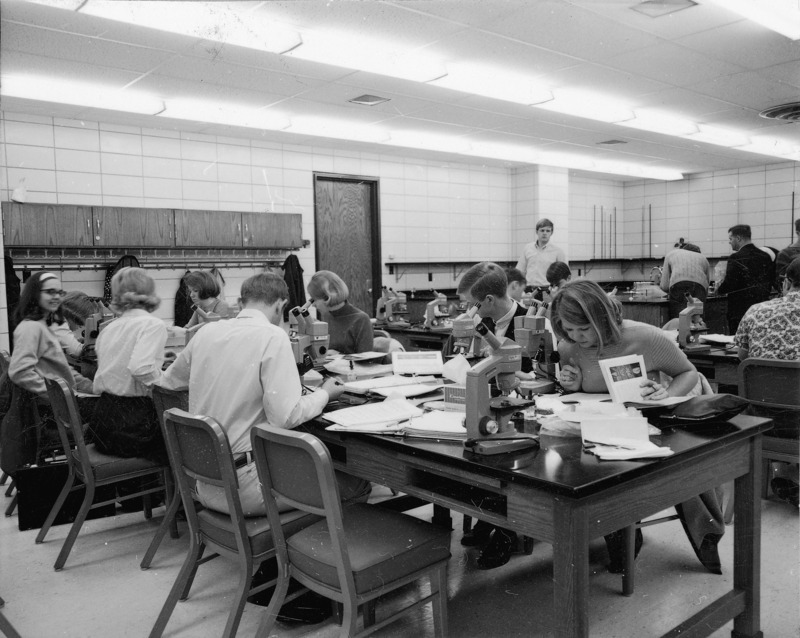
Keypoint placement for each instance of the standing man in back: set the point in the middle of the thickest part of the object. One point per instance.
(685, 271)
(537, 257)
(787, 255)
(748, 277)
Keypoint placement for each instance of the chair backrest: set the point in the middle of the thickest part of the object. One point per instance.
(199, 451)
(297, 467)
(70, 427)
(164, 399)
(770, 382)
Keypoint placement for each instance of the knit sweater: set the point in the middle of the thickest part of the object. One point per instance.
(350, 329)
(685, 265)
(659, 352)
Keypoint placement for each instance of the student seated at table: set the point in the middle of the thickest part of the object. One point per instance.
(130, 352)
(516, 284)
(590, 327)
(76, 306)
(558, 273)
(204, 292)
(350, 329)
(37, 354)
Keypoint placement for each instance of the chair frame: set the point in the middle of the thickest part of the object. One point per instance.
(213, 464)
(331, 509)
(80, 471)
(773, 448)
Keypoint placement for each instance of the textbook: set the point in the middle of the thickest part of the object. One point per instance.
(623, 376)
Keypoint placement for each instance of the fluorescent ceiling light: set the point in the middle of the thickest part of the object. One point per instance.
(228, 114)
(216, 21)
(338, 129)
(772, 147)
(718, 136)
(781, 16)
(494, 83)
(351, 51)
(588, 104)
(660, 122)
(430, 141)
(49, 89)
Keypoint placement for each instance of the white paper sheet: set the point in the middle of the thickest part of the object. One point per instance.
(374, 414)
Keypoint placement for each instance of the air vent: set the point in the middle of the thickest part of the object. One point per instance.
(612, 142)
(789, 112)
(369, 100)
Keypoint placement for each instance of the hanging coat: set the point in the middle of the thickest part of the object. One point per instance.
(183, 303)
(293, 276)
(125, 260)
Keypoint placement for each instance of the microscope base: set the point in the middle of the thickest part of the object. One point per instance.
(489, 447)
(536, 386)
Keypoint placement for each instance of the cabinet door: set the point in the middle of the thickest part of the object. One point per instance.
(207, 228)
(272, 230)
(46, 225)
(117, 226)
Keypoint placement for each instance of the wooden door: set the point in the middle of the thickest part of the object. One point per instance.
(117, 226)
(46, 225)
(347, 234)
(272, 230)
(207, 228)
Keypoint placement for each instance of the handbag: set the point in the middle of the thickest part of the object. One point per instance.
(705, 408)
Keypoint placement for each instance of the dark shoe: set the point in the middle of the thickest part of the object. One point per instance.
(784, 488)
(498, 551)
(478, 536)
(708, 553)
(615, 544)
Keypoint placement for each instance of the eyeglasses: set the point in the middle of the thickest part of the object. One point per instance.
(53, 292)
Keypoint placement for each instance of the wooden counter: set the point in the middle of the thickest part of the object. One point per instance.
(655, 311)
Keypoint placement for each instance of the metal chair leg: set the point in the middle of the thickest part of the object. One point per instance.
(168, 522)
(11, 506)
(88, 499)
(62, 497)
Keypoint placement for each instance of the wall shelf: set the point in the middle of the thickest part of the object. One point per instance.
(399, 268)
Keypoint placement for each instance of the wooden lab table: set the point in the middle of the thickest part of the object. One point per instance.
(414, 339)
(719, 365)
(565, 496)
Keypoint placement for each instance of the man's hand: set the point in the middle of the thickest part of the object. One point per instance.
(333, 387)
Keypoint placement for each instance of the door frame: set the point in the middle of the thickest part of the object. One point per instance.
(375, 223)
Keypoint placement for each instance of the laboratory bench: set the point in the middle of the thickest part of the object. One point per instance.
(655, 311)
(415, 338)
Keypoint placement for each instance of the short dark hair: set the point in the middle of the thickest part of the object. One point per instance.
(515, 274)
(557, 272)
(485, 278)
(741, 230)
(265, 287)
(793, 272)
(691, 247)
(204, 282)
(76, 306)
(28, 306)
(543, 222)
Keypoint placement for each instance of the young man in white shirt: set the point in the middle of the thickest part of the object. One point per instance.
(537, 257)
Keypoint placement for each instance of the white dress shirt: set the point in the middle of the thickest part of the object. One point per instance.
(242, 373)
(130, 353)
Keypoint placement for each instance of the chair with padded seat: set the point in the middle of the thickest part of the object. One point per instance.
(199, 451)
(163, 400)
(89, 468)
(358, 552)
(772, 386)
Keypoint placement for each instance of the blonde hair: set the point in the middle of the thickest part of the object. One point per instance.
(328, 287)
(133, 288)
(583, 302)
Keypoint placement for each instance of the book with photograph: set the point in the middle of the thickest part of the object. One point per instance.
(623, 376)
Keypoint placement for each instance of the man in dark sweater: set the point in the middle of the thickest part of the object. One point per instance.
(748, 276)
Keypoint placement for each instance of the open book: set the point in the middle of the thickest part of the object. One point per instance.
(623, 377)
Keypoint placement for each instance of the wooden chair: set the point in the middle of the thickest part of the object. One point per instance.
(92, 469)
(772, 387)
(199, 451)
(358, 552)
(164, 399)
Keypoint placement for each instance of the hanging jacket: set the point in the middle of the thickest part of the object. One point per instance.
(183, 303)
(124, 261)
(293, 276)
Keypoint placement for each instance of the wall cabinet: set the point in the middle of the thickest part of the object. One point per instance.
(63, 226)
(47, 225)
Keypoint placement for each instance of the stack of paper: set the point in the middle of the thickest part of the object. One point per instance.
(373, 417)
(437, 425)
(407, 391)
(620, 438)
(622, 449)
(369, 385)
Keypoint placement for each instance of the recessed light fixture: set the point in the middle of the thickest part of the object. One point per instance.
(658, 8)
(612, 142)
(369, 100)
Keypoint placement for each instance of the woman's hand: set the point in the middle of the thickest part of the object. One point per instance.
(652, 391)
(571, 377)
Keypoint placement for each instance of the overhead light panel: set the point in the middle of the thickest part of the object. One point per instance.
(369, 100)
(660, 122)
(51, 89)
(587, 104)
(718, 136)
(781, 16)
(350, 51)
(430, 141)
(659, 8)
(227, 114)
(494, 83)
(215, 21)
(773, 147)
(338, 129)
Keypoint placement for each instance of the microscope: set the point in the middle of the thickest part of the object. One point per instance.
(94, 324)
(396, 310)
(437, 313)
(490, 430)
(309, 339)
(465, 341)
(691, 326)
(537, 343)
(380, 308)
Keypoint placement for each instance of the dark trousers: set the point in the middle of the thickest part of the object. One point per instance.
(677, 296)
